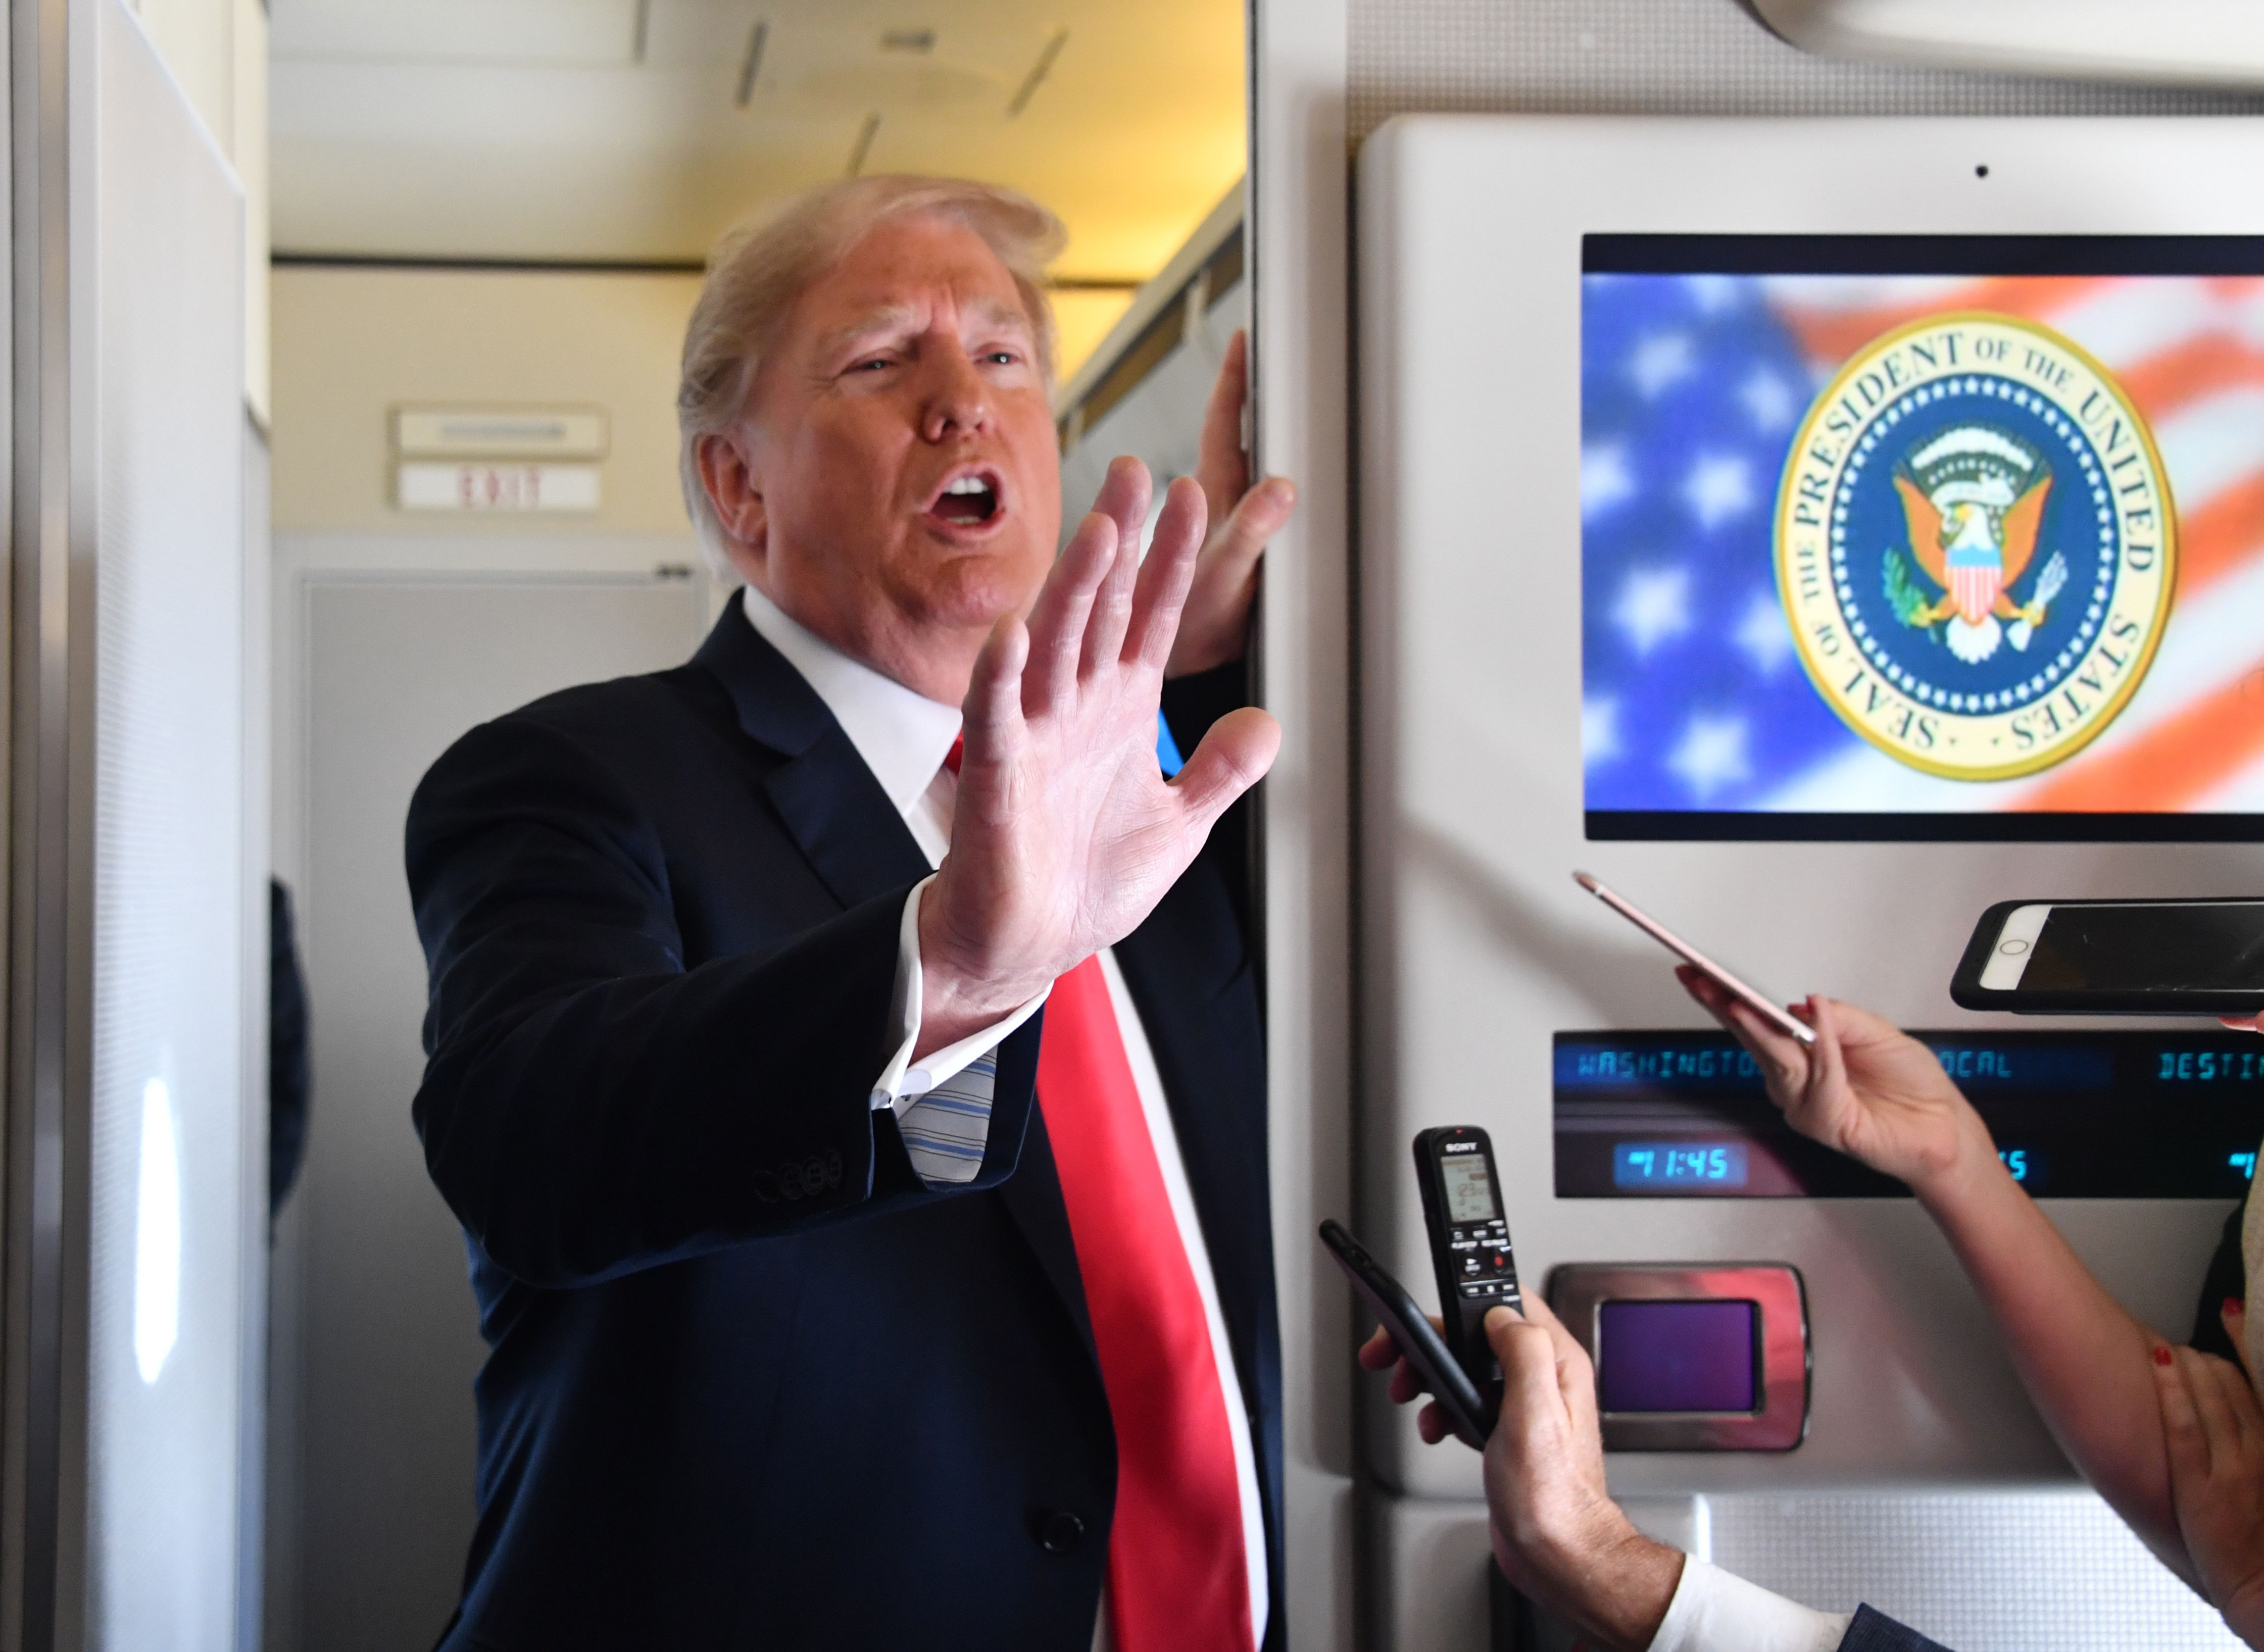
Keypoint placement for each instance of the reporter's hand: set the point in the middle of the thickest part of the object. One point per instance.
(1557, 1532)
(1864, 1088)
(2214, 1430)
(1066, 835)
(1381, 1352)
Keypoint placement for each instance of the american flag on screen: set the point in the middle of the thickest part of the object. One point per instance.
(1693, 694)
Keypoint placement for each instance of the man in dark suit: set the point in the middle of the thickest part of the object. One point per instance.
(848, 1282)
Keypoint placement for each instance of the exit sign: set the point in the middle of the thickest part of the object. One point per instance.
(496, 485)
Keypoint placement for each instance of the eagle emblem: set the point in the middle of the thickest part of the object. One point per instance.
(1975, 545)
(1973, 501)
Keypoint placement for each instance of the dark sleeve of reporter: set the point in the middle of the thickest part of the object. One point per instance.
(590, 1106)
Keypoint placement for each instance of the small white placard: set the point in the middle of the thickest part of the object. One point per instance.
(424, 486)
(523, 432)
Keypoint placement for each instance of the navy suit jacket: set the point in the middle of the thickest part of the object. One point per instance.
(753, 1384)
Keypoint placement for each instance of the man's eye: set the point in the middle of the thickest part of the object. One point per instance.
(869, 365)
(1000, 357)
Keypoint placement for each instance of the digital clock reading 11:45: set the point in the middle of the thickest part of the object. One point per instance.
(1694, 1165)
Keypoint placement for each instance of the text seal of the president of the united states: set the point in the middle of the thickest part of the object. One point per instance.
(1975, 545)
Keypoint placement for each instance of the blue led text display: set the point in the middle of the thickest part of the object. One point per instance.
(1679, 1164)
(1694, 1065)
(2210, 1067)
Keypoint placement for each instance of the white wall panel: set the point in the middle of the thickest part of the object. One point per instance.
(173, 974)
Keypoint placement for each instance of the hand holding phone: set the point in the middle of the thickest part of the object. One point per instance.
(1468, 1412)
(1865, 1088)
(1760, 1002)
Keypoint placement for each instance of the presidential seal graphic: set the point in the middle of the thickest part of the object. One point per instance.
(1975, 545)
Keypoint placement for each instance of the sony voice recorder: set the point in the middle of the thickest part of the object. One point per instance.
(1470, 1243)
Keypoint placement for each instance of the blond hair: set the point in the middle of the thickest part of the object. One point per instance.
(758, 270)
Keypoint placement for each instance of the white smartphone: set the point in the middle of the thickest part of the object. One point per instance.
(2115, 958)
(1782, 1019)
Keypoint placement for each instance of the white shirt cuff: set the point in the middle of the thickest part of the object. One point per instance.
(901, 1083)
(1715, 1611)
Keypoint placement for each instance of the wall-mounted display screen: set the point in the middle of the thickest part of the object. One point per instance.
(2115, 1114)
(1677, 1356)
(1922, 537)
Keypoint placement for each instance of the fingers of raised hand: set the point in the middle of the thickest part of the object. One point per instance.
(993, 708)
(1431, 1423)
(1064, 605)
(1256, 517)
(1124, 496)
(1112, 608)
(1233, 757)
(1166, 574)
(1379, 1352)
(1221, 466)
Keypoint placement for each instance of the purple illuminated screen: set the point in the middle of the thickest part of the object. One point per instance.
(1677, 1356)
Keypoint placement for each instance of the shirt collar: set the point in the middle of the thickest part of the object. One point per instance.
(902, 736)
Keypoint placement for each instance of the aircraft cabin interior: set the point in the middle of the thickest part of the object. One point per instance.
(684, 969)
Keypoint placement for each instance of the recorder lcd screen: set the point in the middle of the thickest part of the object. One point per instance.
(1469, 1190)
(1951, 538)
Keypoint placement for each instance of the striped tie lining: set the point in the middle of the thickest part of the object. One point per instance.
(945, 1130)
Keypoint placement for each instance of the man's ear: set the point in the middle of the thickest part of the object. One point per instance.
(735, 492)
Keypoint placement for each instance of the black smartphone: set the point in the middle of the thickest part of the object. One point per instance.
(2115, 958)
(1468, 1412)
(1469, 1242)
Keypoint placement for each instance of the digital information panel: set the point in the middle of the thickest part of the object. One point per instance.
(1935, 537)
(2075, 1115)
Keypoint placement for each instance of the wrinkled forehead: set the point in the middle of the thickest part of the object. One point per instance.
(911, 275)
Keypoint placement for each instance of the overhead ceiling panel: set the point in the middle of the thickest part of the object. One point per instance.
(408, 32)
(423, 128)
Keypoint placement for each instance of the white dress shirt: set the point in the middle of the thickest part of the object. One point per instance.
(1715, 1611)
(904, 739)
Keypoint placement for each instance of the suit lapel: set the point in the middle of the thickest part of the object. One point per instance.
(831, 805)
(1032, 1197)
(859, 846)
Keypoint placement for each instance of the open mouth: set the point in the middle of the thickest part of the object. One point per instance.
(969, 500)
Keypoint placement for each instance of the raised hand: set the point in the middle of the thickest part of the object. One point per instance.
(1216, 626)
(1866, 1088)
(2215, 1433)
(1065, 833)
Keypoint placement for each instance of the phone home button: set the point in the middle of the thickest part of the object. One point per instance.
(2014, 948)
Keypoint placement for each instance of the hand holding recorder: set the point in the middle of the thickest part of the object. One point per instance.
(1555, 1531)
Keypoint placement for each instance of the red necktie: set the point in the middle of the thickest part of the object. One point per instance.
(1176, 1568)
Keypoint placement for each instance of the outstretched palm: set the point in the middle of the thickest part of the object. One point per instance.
(1866, 1087)
(1065, 834)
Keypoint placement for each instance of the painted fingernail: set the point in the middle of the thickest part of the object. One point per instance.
(2233, 1305)
(2162, 1355)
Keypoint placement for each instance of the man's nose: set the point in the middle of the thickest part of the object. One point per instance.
(956, 401)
